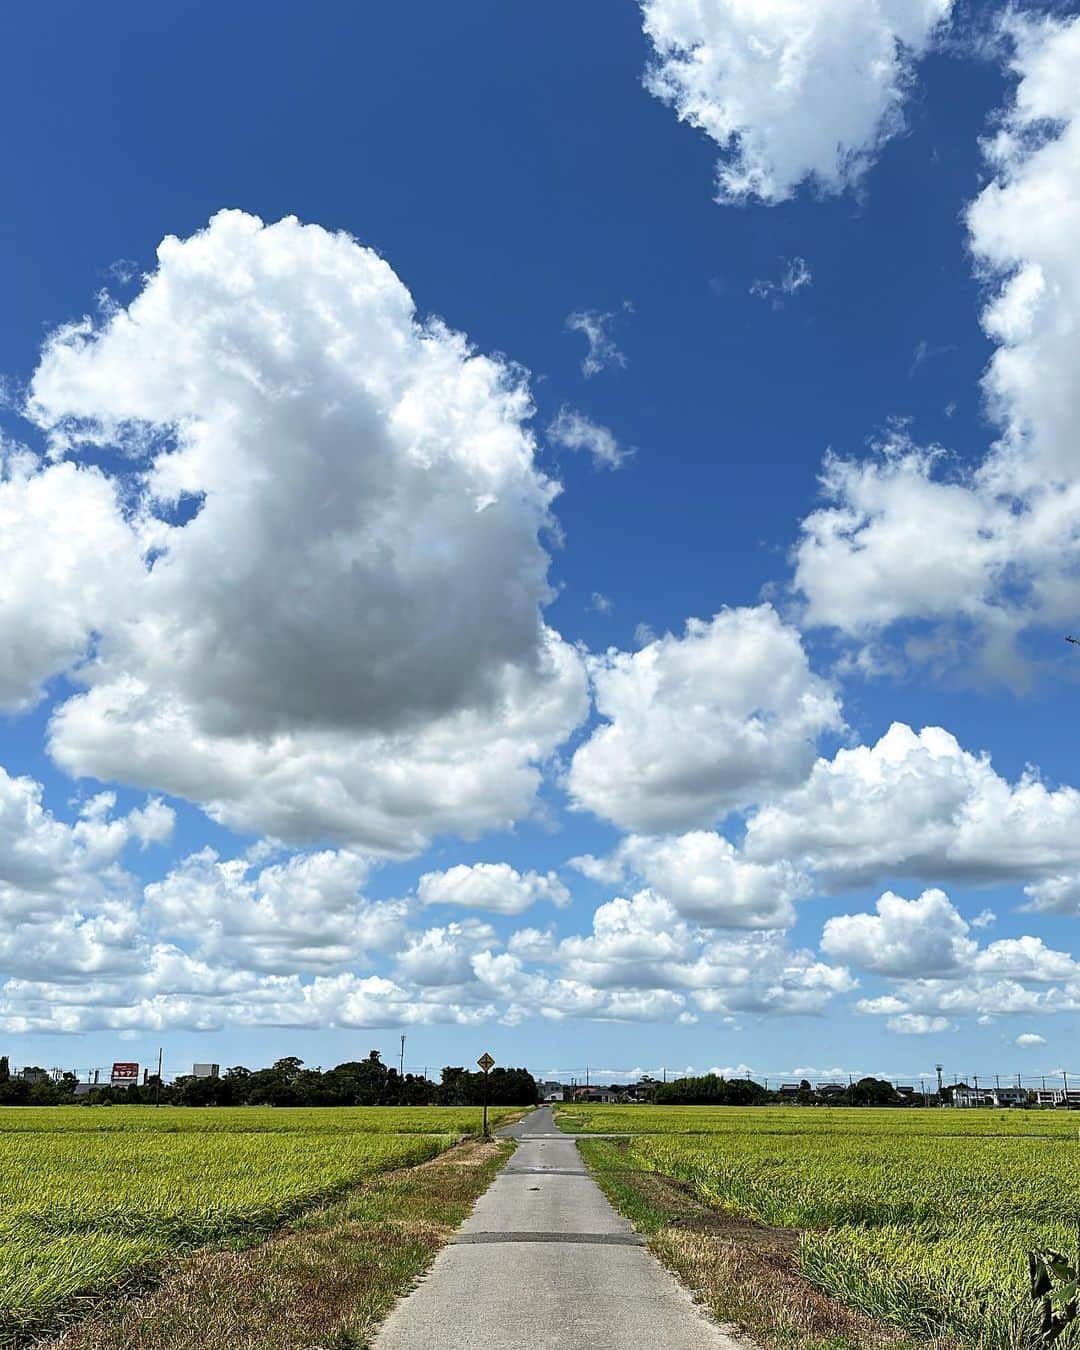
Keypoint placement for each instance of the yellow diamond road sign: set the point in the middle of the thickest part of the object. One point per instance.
(486, 1062)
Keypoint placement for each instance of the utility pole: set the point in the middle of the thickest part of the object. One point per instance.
(940, 1098)
(157, 1089)
(401, 1057)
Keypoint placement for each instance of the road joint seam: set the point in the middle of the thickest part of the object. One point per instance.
(589, 1239)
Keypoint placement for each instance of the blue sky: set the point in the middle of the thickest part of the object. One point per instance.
(292, 593)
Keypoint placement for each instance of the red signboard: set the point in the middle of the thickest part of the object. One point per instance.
(124, 1074)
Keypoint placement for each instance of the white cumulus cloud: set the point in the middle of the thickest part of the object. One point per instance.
(698, 725)
(496, 887)
(334, 640)
(981, 554)
(791, 90)
(918, 804)
(705, 878)
(575, 431)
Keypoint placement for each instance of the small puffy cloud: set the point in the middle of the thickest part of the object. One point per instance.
(790, 92)
(643, 944)
(595, 327)
(1029, 1039)
(918, 804)
(442, 957)
(575, 431)
(705, 878)
(344, 638)
(301, 915)
(496, 887)
(917, 1024)
(698, 725)
(600, 603)
(1058, 894)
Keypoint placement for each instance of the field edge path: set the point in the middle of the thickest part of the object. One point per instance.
(545, 1259)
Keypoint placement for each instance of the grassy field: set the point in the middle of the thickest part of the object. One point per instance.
(921, 1219)
(94, 1198)
(325, 1280)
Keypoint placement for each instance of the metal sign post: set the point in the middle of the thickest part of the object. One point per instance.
(487, 1064)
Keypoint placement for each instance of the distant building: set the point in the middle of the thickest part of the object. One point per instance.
(206, 1071)
(33, 1075)
(969, 1096)
(788, 1092)
(1067, 1100)
(555, 1095)
(591, 1094)
(829, 1091)
(84, 1089)
(995, 1096)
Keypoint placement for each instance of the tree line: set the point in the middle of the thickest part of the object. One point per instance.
(364, 1082)
(712, 1090)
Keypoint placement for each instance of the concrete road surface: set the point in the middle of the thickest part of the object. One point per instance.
(545, 1261)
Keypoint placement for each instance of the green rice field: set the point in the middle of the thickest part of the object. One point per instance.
(92, 1198)
(922, 1218)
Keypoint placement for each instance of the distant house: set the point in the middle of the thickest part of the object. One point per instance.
(830, 1091)
(591, 1094)
(788, 1092)
(555, 1095)
(83, 1089)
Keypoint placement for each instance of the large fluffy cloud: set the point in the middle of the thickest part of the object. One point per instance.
(339, 629)
(997, 545)
(789, 89)
(698, 725)
(918, 804)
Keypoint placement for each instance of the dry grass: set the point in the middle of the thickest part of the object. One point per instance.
(745, 1273)
(324, 1284)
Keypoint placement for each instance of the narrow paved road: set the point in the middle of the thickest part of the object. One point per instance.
(545, 1261)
